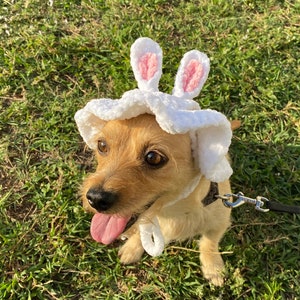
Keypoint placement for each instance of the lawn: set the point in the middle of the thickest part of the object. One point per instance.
(57, 55)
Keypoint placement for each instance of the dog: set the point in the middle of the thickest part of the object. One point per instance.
(139, 164)
(161, 162)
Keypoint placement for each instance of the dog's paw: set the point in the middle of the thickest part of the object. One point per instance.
(214, 274)
(130, 253)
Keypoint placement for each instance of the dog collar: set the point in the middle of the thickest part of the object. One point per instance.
(212, 194)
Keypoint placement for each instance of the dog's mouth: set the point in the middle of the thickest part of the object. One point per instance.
(106, 228)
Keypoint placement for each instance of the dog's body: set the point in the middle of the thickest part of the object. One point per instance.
(141, 171)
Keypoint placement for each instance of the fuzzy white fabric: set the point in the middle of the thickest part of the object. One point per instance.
(152, 238)
(210, 130)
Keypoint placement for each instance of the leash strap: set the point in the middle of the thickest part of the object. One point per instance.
(279, 207)
(259, 202)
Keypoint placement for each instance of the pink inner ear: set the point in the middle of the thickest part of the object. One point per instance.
(192, 75)
(148, 65)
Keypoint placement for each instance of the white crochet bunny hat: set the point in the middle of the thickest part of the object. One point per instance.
(177, 113)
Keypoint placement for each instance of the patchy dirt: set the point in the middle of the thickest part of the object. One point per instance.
(21, 211)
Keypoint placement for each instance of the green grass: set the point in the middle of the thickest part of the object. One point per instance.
(54, 58)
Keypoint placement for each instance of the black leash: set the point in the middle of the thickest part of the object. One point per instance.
(259, 202)
(279, 207)
(240, 199)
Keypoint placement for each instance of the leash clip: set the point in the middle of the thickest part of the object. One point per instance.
(240, 199)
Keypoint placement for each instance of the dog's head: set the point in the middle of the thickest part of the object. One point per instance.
(151, 144)
(138, 164)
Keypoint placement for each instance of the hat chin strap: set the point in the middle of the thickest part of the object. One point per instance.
(151, 235)
(152, 238)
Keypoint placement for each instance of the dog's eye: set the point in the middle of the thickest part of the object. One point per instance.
(155, 159)
(102, 147)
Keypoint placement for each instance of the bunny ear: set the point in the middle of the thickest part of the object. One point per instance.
(146, 62)
(191, 75)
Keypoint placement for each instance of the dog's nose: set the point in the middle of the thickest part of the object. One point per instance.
(100, 199)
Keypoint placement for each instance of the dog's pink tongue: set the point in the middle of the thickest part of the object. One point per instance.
(106, 228)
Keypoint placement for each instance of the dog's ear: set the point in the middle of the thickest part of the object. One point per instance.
(235, 124)
(146, 63)
(192, 74)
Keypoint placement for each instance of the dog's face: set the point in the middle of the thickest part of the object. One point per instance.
(138, 163)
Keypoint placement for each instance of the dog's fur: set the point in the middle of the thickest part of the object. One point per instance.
(123, 169)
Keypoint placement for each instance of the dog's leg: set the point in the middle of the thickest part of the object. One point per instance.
(132, 250)
(211, 260)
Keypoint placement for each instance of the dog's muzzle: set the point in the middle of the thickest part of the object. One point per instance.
(100, 199)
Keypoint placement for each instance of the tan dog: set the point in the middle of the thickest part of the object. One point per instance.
(161, 160)
(141, 170)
